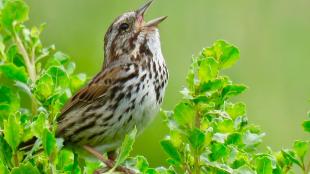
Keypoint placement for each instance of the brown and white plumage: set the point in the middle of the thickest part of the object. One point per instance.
(126, 93)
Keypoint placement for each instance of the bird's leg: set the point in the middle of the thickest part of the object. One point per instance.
(108, 162)
(99, 156)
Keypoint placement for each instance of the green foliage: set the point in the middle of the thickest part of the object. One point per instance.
(211, 134)
(14, 72)
(306, 125)
(25, 169)
(208, 132)
(171, 151)
(31, 72)
(14, 12)
(264, 164)
(126, 147)
(11, 131)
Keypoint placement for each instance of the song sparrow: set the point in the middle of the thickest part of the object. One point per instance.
(127, 92)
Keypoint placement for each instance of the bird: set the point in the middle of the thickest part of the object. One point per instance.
(126, 93)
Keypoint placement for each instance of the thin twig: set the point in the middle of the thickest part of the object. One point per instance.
(197, 124)
(33, 54)
(42, 56)
(16, 160)
(307, 171)
(30, 67)
(3, 55)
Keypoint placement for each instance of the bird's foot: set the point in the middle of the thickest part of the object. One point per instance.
(108, 162)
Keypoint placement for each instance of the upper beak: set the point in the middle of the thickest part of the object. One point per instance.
(140, 15)
(142, 10)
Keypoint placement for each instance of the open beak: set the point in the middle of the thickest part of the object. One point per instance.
(140, 16)
(140, 12)
(155, 22)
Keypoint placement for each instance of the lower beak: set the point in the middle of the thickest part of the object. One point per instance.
(155, 22)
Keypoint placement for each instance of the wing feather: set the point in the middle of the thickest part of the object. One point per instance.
(96, 89)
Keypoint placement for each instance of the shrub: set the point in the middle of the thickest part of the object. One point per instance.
(208, 132)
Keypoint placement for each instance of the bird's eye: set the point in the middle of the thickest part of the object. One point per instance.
(124, 26)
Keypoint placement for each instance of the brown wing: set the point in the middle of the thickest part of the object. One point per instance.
(97, 88)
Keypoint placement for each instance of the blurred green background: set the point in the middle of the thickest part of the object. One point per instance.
(273, 37)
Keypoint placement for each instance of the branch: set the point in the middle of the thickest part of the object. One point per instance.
(308, 168)
(30, 67)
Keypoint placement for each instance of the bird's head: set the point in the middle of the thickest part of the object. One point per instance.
(128, 31)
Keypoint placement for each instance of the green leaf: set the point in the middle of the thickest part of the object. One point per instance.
(184, 113)
(190, 79)
(234, 138)
(14, 56)
(218, 151)
(141, 163)
(171, 150)
(225, 126)
(36, 31)
(240, 161)
(301, 148)
(220, 168)
(176, 137)
(13, 72)
(263, 165)
(5, 152)
(12, 132)
(64, 159)
(59, 76)
(25, 169)
(48, 142)
(196, 138)
(201, 99)
(224, 52)
(3, 168)
(291, 156)
(62, 60)
(126, 147)
(14, 11)
(77, 81)
(91, 166)
(57, 101)
(61, 57)
(39, 124)
(306, 125)
(235, 110)
(151, 171)
(75, 165)
(70, 68)
(252, 139)
(2, 49)
(44, 87)
(212, 85)
(9, 101)
(232, 90)
(208, 69)
(191, 75)
(244, 170)
(162, 170)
